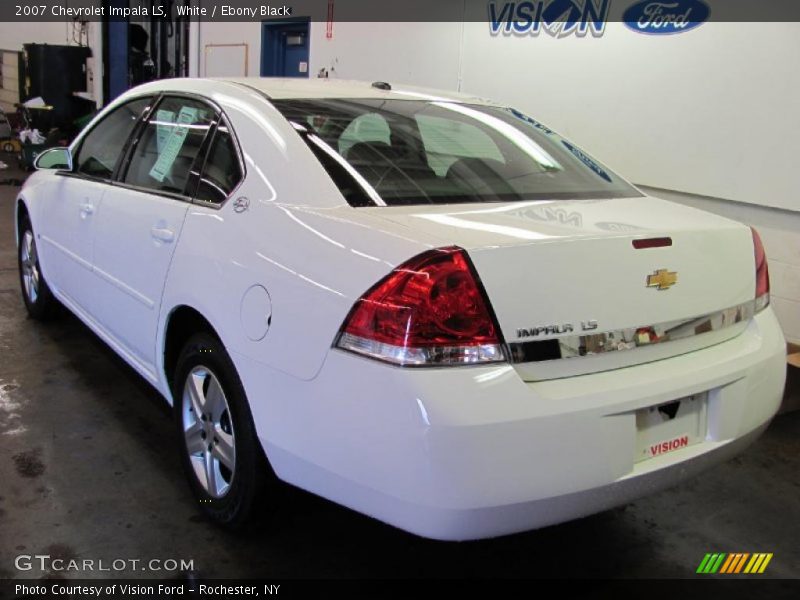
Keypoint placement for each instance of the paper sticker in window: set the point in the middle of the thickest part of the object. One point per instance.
(173, 144)
(164, 120)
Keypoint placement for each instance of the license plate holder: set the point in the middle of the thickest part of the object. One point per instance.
(671, 426)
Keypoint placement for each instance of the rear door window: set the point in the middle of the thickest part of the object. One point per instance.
(169, 145)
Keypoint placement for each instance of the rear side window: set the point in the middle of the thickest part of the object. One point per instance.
(101, 148)
(409, 152)
(169, 145)
(222, 172)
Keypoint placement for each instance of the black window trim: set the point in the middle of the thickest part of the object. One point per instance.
(133, 138)
(243, 174)
(123, 162)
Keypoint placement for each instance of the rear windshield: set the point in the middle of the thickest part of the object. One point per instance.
(406, 152)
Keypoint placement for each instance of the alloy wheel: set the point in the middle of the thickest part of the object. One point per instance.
(208, 431)
(30, 267)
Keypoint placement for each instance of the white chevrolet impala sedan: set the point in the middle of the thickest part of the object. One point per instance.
(425, 306)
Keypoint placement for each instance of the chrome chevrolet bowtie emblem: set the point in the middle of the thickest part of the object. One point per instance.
(662, 279)
(241, 204)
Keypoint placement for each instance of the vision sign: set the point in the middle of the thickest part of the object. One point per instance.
(558, 18)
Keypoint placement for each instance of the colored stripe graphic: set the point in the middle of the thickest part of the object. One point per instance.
(727, 564)
(715, 567)
(703, 563)
(755, 562)
(734, 563)
(758, 563)
(742, 560)
(764, 564)
(711, 563)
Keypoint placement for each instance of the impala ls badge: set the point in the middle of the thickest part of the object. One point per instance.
(556, 329)
(662, 279)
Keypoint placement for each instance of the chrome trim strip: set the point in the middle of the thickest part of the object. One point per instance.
(584, 346)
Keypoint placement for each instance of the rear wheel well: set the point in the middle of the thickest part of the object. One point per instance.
(183, 323)
(22, 214)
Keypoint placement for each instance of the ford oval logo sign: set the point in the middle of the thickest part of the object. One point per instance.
(658, 17)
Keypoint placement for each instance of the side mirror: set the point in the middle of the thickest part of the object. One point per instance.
(54, 158)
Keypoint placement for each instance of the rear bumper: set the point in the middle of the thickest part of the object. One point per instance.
(464, 453)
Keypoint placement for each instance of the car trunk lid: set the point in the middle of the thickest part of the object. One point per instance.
(557, 271)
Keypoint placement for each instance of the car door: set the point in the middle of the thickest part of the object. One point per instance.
(69, 223)
(141, 219)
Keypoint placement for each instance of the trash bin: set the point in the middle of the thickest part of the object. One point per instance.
(28, 154)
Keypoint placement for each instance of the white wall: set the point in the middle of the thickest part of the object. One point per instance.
(712, 111)
(426, 54)
(421, 53)
(14, 35)
(224, 33)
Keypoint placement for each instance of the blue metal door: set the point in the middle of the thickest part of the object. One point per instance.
(284, 48)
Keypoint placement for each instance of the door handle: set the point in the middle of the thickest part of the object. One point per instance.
(87, 209)
(163, 234)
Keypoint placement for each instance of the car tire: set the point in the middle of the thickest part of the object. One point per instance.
(220, 451)
(39, 300)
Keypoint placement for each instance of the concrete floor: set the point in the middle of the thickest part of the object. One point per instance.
(89, 470)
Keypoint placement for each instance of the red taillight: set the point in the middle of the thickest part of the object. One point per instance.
(762, 272)
(430, 310)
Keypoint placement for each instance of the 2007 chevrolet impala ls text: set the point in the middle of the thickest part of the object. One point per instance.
(428, 307)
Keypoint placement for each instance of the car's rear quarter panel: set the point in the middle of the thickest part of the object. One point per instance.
(314, 254)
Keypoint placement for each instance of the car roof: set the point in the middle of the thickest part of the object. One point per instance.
(278, 88)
